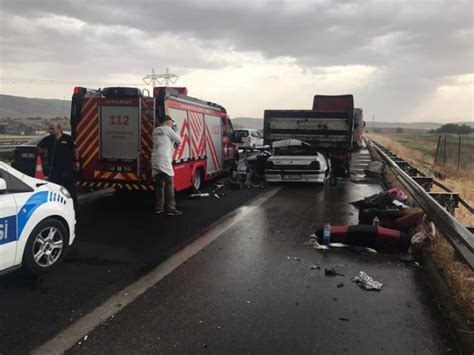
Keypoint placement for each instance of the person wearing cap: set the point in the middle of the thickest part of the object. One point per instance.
(165, 140)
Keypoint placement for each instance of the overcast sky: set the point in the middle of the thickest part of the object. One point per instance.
(402, 60)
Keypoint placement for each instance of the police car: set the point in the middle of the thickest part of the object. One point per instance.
(37, 222)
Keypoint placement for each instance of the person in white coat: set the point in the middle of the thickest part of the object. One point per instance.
(165, 140)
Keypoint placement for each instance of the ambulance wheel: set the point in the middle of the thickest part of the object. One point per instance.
(46, 246)
(197, 179)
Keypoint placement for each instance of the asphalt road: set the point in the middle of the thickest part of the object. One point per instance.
(118, 239)
(252, 290)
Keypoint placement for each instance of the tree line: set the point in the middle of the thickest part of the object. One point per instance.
(453, 128)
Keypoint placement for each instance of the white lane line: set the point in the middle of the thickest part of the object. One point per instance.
(71, 335)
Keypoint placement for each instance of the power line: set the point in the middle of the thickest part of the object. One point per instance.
(166, 78)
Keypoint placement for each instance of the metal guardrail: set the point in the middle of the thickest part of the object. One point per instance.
(7, 145)
(455, 232)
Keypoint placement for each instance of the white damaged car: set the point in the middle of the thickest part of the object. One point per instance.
(37, 222)
(296, 161)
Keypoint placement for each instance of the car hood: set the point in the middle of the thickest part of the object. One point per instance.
(30, 180)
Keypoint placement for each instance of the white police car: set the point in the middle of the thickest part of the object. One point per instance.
(37, 222)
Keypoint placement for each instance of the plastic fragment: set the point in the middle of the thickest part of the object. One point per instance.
(365, 281)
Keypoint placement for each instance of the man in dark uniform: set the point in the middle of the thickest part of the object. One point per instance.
(62, 158)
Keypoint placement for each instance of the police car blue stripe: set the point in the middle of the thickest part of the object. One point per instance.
(29, 207)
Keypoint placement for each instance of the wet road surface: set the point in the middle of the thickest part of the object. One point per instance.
(253, 290)
(118, 239)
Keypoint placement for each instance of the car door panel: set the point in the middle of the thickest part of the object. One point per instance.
(8, 230)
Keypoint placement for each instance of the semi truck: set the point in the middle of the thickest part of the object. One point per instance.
(113, 127)
(328, 126)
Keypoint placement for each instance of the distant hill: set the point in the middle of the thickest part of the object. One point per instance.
(21, 107)
(411, 125)
(248, 122)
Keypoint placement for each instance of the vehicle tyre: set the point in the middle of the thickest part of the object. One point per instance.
(46, 246)
(197, 179)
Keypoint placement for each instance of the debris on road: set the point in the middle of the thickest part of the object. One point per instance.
(424, 238)
(340, 285)
(383, 200)
(199, 195)
(374, 169)
(365, 281)
(367, 236)
(332, 272)
(345, 319)
(315, 267)
(318, 246)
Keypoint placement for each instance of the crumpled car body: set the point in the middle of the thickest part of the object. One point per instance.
(296, 161)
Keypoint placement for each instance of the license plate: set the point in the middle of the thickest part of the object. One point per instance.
(28, 155)
(291, 177)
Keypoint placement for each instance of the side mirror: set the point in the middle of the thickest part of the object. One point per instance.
(3, 186)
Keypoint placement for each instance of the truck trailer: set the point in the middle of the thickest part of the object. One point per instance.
(329, 127)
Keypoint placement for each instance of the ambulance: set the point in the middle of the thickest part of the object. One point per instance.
(37, 222)
(113, 127)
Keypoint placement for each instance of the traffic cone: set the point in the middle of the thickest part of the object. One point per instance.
(39, 169)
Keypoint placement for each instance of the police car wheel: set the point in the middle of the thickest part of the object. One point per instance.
(46, 246)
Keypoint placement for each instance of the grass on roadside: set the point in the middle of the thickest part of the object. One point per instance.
(459, 277)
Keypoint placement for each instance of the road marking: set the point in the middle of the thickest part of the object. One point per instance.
(67, 338)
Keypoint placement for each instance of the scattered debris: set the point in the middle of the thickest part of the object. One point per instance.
(318, 246)
(331, 272)
(423, 238)
(367, 236)
(374, 169)
(297, 258)
(340, 285)
(204, 346)
(345, 319)
(85, 337)
(337, 245)
(315, 267)
(334, 299)
(199, 195)
(365, 281)
(398, 194)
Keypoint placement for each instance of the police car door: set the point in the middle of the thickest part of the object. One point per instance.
(8, 222)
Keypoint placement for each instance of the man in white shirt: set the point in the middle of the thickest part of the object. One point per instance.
(165, 140)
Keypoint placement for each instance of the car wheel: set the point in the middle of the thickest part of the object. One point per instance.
(197, 179)
(46, 246)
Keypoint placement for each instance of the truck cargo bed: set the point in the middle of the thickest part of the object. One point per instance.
(324, 130)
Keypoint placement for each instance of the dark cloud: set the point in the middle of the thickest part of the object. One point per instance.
(414, 45)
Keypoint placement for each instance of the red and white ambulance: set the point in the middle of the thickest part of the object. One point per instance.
(113, 129)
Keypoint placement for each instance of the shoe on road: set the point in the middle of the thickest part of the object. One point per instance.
(174, 213)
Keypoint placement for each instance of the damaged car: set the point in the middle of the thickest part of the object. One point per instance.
(296, 161)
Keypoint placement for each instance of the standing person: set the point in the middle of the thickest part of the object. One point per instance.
(164, 142)
(62, 157)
